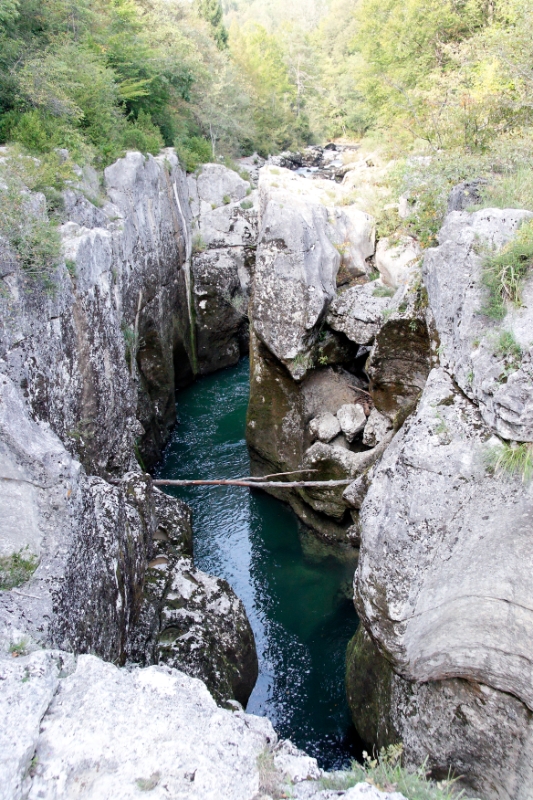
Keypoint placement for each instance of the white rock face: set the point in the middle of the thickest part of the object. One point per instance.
(83, 728)
(352, 419)
(433, 482)
(325, 427)
(439, 596)
(302, 236)
(224, 235)
(28, 686)
(216, 184)
(469, 341)
(105, 732)
(358, 312)
(377, 427)
(395, 258)
(294, 764)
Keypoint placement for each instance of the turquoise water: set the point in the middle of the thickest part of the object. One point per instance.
(297, 592)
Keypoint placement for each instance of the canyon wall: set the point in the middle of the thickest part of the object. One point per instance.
(90, 356)
(369, 365)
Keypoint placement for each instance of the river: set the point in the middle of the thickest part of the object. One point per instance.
(296, 590)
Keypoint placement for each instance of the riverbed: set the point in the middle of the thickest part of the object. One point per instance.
(296, 590)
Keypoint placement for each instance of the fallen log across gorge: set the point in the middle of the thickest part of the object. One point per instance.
(261, 482)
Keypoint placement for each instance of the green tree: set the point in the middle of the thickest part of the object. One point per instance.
(211, 12)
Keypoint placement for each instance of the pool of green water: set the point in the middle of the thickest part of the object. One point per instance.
(297, 591)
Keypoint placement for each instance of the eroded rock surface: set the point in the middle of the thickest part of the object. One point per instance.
(301, 239)
(438, 597)
(88, 370)
(224, 238)
(93, 731)
(470, 343)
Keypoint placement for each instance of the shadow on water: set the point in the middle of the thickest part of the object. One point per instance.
(296, 590)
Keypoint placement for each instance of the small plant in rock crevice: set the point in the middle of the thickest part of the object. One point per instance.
(504, 272)
(508, 347)
(19, 648)
(386, 773)
(17, 568)
(271, 781)
(198, 244)
(511, 459)
(383, 291)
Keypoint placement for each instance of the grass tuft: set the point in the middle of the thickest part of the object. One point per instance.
(512, 459)
(17, 568)
(386, 773)
(383, 291)
(504, 272)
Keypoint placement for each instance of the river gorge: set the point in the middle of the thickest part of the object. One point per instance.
(223, 324)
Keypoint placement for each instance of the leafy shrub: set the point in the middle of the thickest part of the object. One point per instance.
(193, 152)
(504, 272)
(246, 205)
(33, 237)
(143, 135)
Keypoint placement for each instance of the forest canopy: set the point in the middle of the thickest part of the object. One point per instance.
(98, 77)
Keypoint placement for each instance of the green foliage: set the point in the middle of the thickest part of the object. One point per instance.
(211, 11)
(17, 568)
(246, 205)
(276, 105)
(512, 459)
(143, 135)
(193, 152)
(198, 244)
(387, 774)
(504, 272)
(508, 347)
(99, 78)
(513, 190)
(19, 648)
(32, 236)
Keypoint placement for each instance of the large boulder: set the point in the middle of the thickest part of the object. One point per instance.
(91, 730)
(436, 595)
(490, 360)
(359, 312)
(303, 239)
(205, 632)
(395, 258)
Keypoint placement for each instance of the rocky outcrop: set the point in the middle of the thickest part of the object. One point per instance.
(441, 660)
(66, 729)
(89, 361)
(224, 232)
(447, 612)
(496, 378)
(311, 338)
(298, 258)
(395, 257)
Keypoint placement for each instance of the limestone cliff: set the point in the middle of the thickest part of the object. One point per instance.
(442, 586)
(89, 362)
(327, 338)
